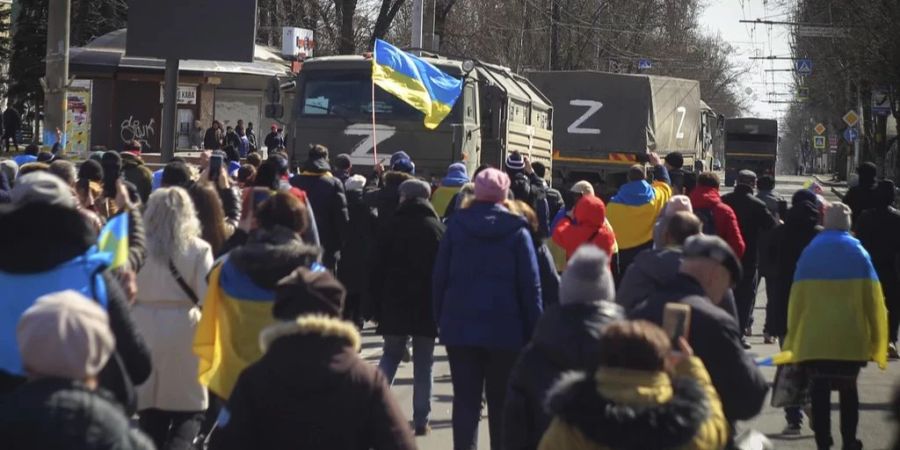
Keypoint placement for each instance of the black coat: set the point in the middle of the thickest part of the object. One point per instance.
(212, 140)
(329, 205)
(754, 218)
(862, 197)
(311, 390)
(53, 413)
(567, 338)
(879, 232)
(401, 271)
(783, 249)
(354, 268)
(716, 340)
(386, 198)
(37, 237)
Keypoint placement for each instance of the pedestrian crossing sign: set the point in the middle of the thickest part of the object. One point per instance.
(819, 142)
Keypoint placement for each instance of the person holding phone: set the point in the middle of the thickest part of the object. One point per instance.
(708, 269)
(644, 394)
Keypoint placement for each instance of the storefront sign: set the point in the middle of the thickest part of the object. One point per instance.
(187, 95)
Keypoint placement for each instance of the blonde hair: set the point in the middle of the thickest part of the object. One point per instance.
(171, 223)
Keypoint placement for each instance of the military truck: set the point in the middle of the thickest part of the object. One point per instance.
(497, 112)
(606, 122)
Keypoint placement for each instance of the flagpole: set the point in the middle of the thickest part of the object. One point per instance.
(374, 132)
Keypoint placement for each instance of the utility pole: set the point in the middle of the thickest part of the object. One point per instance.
(170, 107)
(56, 79)
(417, 19)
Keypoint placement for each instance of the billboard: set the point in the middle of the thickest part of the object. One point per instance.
(297, 43)
(219, 30)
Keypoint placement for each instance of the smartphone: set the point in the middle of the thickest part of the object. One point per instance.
(677, 321)
(215, 167)
(110, 180)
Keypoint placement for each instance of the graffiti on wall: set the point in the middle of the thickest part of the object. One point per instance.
(133, 129)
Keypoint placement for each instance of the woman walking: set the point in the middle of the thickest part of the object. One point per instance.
(487, 301)
(171, 285)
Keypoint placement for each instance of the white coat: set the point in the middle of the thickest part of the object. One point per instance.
(166, 317)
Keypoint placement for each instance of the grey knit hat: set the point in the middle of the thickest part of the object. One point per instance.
(42, 187)
(837, 217)
(587, 278)
(415, 188)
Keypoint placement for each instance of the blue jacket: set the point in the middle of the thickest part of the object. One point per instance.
(486, 283)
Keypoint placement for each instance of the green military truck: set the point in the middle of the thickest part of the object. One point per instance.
(498, 112)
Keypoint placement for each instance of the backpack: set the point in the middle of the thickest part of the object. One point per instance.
(554, 201)
(520, 187)
(707, 218)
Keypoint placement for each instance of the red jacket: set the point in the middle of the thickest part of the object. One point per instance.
(589, 226)
(726, 223)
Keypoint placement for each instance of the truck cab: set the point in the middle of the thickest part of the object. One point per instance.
(496, 113)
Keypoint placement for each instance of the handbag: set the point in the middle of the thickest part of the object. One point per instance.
(791, 386)
(183, 284)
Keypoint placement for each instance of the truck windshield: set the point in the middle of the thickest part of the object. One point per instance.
(349, 95)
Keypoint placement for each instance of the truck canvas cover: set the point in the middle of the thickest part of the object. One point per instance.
(598, 113)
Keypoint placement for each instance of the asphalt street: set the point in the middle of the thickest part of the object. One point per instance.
(876, 429)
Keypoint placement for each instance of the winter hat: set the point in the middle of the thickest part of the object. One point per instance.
(587, 278)
(802, 196)
(404, 165)
(10, 168)
(714, 248)
(308, 292)
(515, 162)
(65, 335)
(45, 157)
(176, 173)
(91, 170)
(457, 175)
(110, 159)
(582, 187)
(398, 156)
(42, 187)
(415, 188)
(355, 183)
(678, 203)
(342, 162)
(491, 185)
(675, 159)
(746, 177)
(837, 217)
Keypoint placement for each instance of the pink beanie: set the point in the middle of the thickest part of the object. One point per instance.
(491, 185)
(678, 203)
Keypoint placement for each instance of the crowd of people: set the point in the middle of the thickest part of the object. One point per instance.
(234, 320)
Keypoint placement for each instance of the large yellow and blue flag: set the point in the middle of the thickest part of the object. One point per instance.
(836, 308)
(415, 81)
(114, 240)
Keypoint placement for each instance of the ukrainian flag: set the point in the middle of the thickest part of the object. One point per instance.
(415, 81)
(836, 308)
(632, 212)
(235, 310)
(114, 240)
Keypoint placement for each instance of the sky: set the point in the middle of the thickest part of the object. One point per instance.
(721, 17)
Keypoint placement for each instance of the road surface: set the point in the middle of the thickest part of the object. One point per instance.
(876, 387)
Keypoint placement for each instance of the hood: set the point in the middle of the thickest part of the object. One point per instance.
(317, 166)
(36, 237)
(803, 215)
(395, 179)
(418, 207)
(660, 265)
(130, 159)
(270, 255)
(705, 197)
(457, 175)
(634, 193)
(303, 357)
(488, 220)
(590, 210)
(671, 424)
(569, 335)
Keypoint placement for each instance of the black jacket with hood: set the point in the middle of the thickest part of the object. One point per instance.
(567, 337)
(716, 340)
(326, 195)
(311, 390)
(37, 237)
(401, 271)
(754, 218)
(386, 198)
(783, 249)
(354, 268)
(53, 413)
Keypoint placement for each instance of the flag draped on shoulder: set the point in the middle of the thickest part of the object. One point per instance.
(836, 308)
(114, 240)
(415, 81)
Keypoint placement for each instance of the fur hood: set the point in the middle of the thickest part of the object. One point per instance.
(395, 178)
(672, 424)
(270, 255)
(318, 325)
